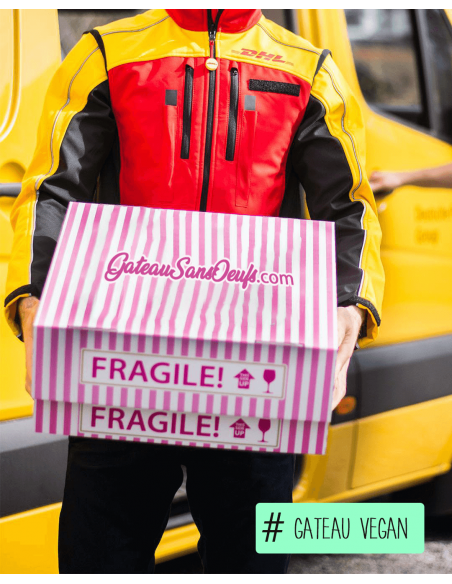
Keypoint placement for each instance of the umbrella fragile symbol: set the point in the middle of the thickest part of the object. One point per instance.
(240, 428)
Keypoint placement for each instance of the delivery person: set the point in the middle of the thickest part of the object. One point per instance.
(204, 110)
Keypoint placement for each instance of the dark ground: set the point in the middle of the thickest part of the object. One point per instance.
(436, 559)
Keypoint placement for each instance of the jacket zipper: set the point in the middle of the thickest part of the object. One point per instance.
(233, 112)
(188, 103)
(210, 110)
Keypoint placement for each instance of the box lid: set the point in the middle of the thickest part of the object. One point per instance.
(190, 275)
(242, 310)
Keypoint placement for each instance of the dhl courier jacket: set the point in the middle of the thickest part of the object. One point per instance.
(202, 110)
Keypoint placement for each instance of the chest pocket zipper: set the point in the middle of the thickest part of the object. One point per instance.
(233, 114)
(246, 148)
(188, 105)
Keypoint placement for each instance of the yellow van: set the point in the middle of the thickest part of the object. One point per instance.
(394, 428)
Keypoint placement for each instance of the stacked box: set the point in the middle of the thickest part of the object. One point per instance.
(196, 329)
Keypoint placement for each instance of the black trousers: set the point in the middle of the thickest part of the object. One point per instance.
(118, 495)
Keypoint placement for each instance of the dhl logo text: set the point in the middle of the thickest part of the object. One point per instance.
(262, 55)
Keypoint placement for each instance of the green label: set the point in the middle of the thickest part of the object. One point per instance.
(340, 528)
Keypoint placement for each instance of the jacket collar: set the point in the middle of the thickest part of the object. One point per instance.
(231, 20)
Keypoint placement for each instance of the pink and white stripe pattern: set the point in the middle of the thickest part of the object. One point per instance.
(293, 326)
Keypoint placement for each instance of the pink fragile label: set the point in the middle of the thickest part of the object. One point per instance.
(181, 428)
(117, 368)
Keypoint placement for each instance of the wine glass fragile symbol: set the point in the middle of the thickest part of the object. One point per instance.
(269, 377)
(264, 426)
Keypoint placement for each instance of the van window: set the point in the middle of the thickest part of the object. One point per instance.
(73, 23)
(437, 36)
(387, 60)
(283, 17)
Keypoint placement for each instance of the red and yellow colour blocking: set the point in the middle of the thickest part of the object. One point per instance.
(219, 111)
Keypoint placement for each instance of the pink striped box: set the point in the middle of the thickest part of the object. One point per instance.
(196, 329)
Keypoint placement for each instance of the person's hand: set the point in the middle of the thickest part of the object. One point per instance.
(349, 322)
(383, 183)
(27, 312)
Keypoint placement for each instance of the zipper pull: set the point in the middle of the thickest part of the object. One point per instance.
(212, 63)
(212, 34)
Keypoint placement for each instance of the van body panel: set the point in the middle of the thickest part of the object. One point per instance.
(31, 60)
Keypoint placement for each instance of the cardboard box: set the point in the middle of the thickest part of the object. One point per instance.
(188, 328)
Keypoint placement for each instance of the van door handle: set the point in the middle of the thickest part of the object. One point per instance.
(10, 189)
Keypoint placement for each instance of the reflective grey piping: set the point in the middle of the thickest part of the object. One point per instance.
(54, 126)
(58, 115)
(136, 30)
(345, 132)
(70, 87)
(360, 175)
(285, 44)
(337, 91)
(43, 176)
